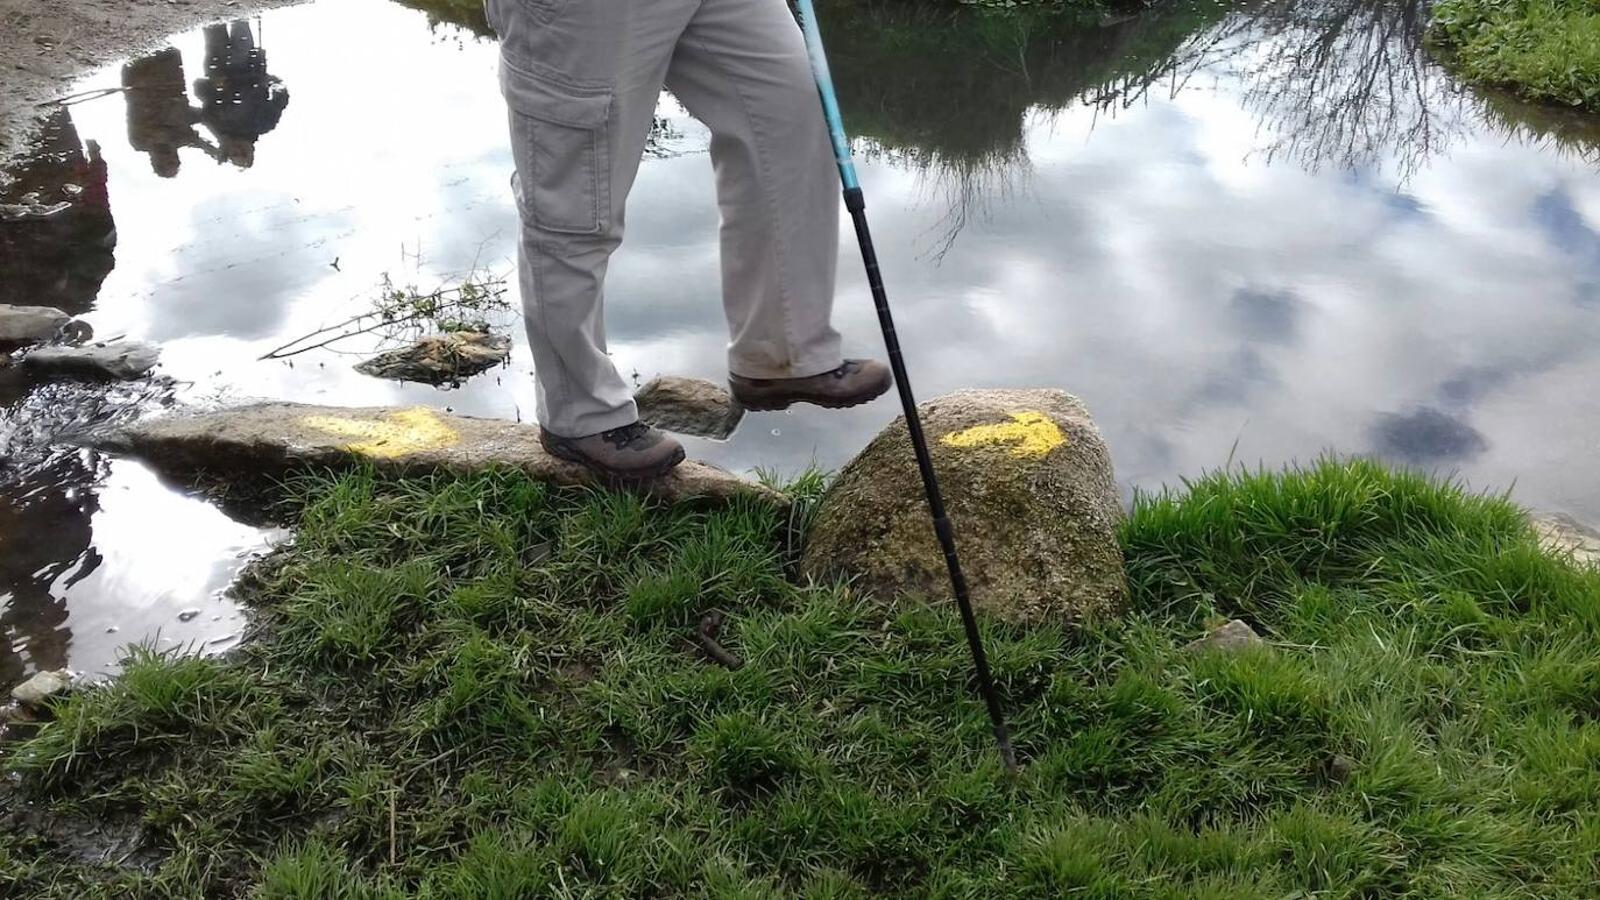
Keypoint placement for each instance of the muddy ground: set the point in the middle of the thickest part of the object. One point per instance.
(45, 44)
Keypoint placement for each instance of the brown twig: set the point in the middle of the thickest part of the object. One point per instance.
(705, 637)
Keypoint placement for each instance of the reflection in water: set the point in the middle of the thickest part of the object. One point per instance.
(160, 119)
(1427, 437)
(241, 102)
(1344, 83)
(46, 547)
(57, 237)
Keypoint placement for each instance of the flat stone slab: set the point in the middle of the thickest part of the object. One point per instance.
(272, 438)
(30, 324)
(123, 360)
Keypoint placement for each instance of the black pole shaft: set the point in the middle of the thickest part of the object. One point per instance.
(855, 202)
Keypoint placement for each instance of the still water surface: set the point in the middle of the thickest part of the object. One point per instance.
(1239, 233)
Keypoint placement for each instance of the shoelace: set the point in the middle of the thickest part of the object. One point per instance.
(627, 434)
(848, 368)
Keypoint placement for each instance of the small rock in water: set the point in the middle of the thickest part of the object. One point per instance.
(689, 406)
(42, 687)
(124, 360)
(188, 615)
(1232, 636)
(441, 358)
(29, 324)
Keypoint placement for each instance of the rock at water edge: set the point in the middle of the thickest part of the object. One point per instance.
(1028, 482)
(1566, 536)
(125, 360)
(29, 324)
(690, 406)
(269, 439)
(440, 358)
(41, 687)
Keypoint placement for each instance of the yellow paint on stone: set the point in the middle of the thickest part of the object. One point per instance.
(399, 433)
(1034, 434)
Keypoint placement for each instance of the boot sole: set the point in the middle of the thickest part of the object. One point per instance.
(778, 401)
(775, 405)
(623, 476)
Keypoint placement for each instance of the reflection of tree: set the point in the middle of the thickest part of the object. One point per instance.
(57, 234)
(1344, 82)
(952, 89)
(1331, 82)
(48, 500)
(466, 14)
(949, 93)
(46, 546)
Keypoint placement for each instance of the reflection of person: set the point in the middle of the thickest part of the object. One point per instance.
(582, 78)
(240, 101)
(160, 119)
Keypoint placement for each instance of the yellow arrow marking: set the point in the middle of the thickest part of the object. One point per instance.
(1034, 434)
(397, 434)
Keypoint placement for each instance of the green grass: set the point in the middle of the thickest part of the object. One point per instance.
(478, 687)
(1543, 49)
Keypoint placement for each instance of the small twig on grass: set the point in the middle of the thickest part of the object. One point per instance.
(393, 815)
(705, 637)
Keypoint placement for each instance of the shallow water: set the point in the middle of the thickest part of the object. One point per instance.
(1249, 234)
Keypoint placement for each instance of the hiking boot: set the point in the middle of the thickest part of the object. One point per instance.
(852, 384)
(630, 453)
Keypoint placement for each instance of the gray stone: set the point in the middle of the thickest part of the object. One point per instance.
(41, 687)
(440, 358)
(33, 210)
(1028, 482)
(124, 360)
(1340, 767)
(1234, 635)
(1566, 536)
(29, 324)
(273, 438)
(689, 406)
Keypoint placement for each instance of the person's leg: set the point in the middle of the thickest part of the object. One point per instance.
(741, 68)
(581, 78)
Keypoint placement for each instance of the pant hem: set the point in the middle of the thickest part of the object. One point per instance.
(806, 368)
(588, 425)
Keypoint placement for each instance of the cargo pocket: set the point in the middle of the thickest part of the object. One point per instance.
(560, 142)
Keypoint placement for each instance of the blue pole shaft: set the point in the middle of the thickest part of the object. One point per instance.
(855, 202)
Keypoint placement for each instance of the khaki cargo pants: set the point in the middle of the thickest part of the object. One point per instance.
(581, 78)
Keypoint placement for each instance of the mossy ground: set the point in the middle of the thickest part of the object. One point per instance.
(481, 688)
(1543, 49)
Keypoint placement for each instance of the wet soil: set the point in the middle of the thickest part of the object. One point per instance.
(44, 46)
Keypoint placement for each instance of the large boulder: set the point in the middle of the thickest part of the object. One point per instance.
(1027, 480)
(269, 439)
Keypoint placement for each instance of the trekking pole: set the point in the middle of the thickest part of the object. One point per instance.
(855, 202)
